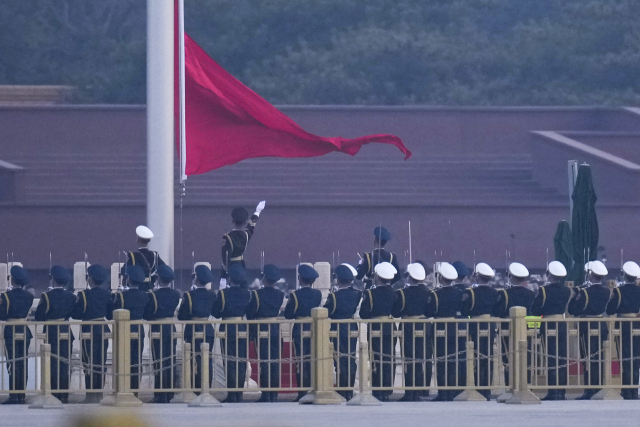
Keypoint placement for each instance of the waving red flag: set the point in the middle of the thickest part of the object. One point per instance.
(226, 122)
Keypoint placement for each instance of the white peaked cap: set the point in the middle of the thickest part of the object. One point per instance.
(447, 271)
(483, 269)
(597, 267)
(518, 270)
(353, 270)
(631, 268)
(385, 270)
(557, 269)
(144, 232)
(416, 271)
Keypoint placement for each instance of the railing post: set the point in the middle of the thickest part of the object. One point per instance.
(517, 332)
(522, 395)
(607, 393)
(185, 396)
(205, 398)
(321, 381)
(121, 355)
(470, 394)
(45, 400)
(365, 396)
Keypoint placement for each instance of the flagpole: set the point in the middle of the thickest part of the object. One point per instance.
(183, 132)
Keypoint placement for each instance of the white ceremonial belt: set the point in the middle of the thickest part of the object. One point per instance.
(268, 318)
(237, 258)
(232, 318)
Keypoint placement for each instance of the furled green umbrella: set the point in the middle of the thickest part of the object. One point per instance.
(584, 224)
(562, 245)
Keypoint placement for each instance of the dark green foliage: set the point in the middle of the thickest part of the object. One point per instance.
(439, 52)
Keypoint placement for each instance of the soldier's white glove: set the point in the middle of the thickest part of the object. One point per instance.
(259, 208)
(223, 283)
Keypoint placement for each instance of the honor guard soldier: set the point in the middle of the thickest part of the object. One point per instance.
(410, 303)
(57, 305)
(342, 304)
(235, 242)
(366, 265)
(462, 282)
(299, 306)
(93, 305)
(591, 301)
(197, 304)
(377, 303)
(551, 303)
(231, 304)
(265, 304)
(148, 260)
(625, 303)
(162, 305)
(477, 303)
(514, 295)
(14, 306)
(444, 303)
(135, 300)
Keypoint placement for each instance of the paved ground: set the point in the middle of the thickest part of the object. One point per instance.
(431, 414)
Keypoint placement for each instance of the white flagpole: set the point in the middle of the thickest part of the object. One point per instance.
(183, 132)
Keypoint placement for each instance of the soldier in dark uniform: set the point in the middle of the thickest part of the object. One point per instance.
(591, 301)
(477, 303)
(515, 295)
(148, 260)
(57, 305)
(410, 304)
(265, 304)
(15, 305)
(231, 304)
(551, 302)
(444, 303)
(366, 265)
(93, 305)
(162, 305)
(462, 282)
(625, 303)
(235, 242)
(299, 306)
(197, 304)
(342, 304)
(377, 303)
(134, 300)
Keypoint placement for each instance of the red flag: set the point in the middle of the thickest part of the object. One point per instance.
(226, 122)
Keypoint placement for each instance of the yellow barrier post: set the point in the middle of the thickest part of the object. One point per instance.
(185, 396)
(364, 397)
(205, 398)
(45, 400)
(121, 356)
(517, 332)
(607, 393)
(322, 366)
(522, 396)
(470, 394)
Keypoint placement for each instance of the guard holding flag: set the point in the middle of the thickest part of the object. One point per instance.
(367, 264)
(93, 305)
(15, 305)
(57, 305)
(234, 243)
(162, 305)
(148, 260)
(265, 304)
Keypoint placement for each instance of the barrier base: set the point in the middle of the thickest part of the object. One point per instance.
(321, 398)
(45, 402)
(470, 395)
(364, 399)
(183, 397)
(126, 400)
(607, 394)
(504, 396)
(204, 400)
(523, 398)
